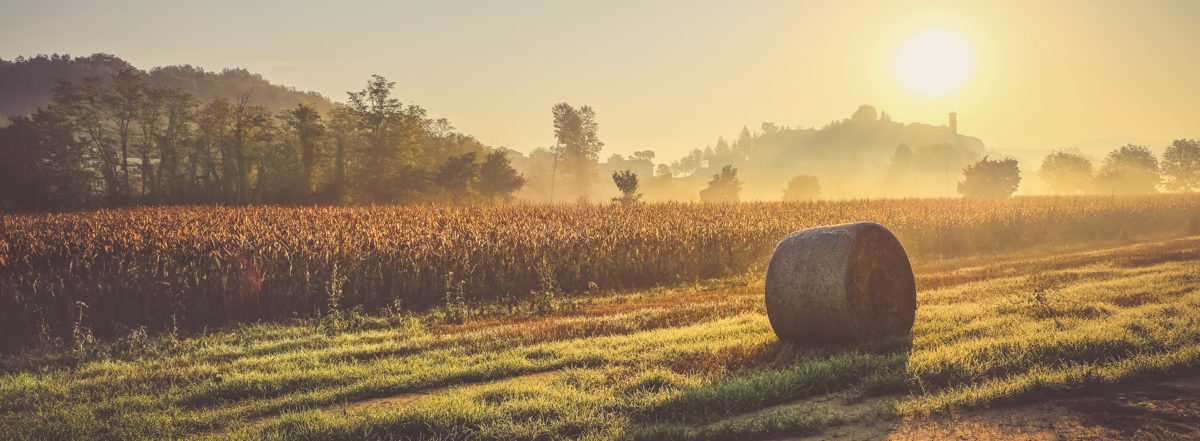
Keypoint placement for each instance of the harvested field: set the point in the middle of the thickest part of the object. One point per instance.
(697, 361)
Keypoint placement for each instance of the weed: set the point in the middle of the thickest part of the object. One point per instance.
(542, 300)
(454, 306)
(82, 339)
(335, 319)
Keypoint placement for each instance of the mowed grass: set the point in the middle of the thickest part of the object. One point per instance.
(694, 362)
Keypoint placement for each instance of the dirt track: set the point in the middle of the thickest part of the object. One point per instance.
(1164, 410)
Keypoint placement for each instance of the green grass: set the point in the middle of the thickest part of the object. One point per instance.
(696, 362)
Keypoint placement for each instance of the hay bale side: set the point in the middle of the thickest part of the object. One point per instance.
(840, 283)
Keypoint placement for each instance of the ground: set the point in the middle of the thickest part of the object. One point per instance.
(1099, 342)
(1149, 410)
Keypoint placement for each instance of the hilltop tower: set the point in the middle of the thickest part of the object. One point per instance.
(953, 123)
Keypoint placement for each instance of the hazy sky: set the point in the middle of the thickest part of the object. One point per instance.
(671, 76)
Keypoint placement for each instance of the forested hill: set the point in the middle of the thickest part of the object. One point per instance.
(27, 83)
(105, 134)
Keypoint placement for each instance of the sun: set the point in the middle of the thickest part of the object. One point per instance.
(933, 63)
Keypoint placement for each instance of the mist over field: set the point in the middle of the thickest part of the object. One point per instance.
(181, 134)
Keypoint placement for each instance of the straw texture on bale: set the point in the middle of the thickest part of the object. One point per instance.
(840, 283)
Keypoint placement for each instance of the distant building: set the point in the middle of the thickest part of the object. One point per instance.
(953, 123)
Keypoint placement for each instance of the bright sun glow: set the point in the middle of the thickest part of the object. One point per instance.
(933, 63)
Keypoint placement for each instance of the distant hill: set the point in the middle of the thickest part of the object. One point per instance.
(865, 155)
(852, 154)
(27, 83)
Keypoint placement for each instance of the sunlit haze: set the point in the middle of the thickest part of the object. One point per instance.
(933, 63)
(673, 76)
(612, 220)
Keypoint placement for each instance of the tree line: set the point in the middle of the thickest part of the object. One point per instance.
(1127, 170)
(118, 141)
(942, 163)
(1130, 169)
(121, 141)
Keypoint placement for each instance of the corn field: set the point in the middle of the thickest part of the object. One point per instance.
(195, 267)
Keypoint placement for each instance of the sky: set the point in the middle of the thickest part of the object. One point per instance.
(671, 76)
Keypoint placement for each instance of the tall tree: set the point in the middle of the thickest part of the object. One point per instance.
(149, 119)
(208, 165)
(1066, 173)
(277, 170)
(457, 176)
(498, 181)
(380, 119)
(305, 123)
(722, 151)
(1181, 165)
(82, 107)
(249, 127)
(344, 132)
(744, 145)
(990, 179)
(578, 148)
(724, 186)
(43, 164)
(1131, 169)
(178, 113)
(122, 103)
(690, 163)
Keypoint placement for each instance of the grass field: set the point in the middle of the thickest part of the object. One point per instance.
(697, 361)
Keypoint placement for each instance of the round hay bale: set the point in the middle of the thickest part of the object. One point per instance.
(840, 283)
